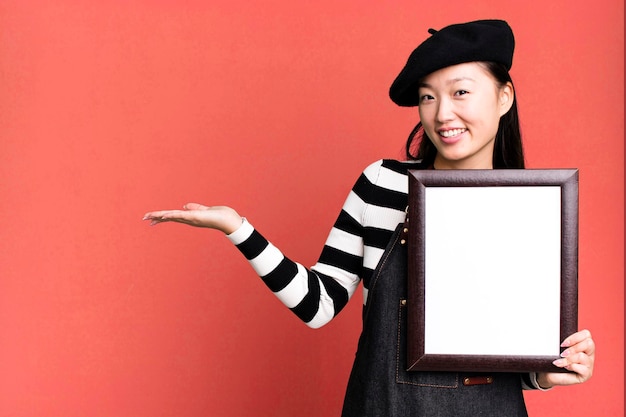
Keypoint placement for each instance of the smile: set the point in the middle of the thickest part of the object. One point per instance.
(451, 133)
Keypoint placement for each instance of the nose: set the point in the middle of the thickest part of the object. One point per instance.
(445, 111)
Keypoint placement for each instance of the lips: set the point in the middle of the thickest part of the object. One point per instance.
(450, 136)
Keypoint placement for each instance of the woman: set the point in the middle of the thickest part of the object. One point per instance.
(459, 80)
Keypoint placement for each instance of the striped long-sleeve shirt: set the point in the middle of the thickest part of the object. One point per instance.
(373, 209)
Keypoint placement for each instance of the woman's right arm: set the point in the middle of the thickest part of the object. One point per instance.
(319, 293)
(315, 295)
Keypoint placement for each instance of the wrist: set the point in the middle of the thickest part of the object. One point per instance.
(240, 235)
(232, 222)
(542, 381)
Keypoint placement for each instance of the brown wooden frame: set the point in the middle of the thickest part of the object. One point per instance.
(419, 181)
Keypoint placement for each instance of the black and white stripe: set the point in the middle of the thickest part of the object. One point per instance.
(373, 209)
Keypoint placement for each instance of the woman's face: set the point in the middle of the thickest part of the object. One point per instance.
(460, 108)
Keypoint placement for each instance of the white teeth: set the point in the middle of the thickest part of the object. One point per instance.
(450, 133)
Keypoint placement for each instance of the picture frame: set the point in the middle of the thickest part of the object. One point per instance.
(492, 269)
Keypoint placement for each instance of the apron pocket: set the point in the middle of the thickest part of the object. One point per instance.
(417, 378)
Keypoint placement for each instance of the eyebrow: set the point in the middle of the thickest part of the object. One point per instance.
(450, 81)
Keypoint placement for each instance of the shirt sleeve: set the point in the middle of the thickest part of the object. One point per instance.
(529, 382)
(317, 294)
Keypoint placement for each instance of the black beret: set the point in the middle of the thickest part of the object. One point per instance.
(481, 40)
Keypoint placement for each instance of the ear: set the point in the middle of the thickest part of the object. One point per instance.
(506, 94)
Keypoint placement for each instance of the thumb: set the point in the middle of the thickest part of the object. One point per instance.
(195, 206)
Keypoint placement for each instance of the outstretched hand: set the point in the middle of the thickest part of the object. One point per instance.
(578, 358)
(221, 218)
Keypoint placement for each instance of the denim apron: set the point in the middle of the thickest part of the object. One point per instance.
(379, 384)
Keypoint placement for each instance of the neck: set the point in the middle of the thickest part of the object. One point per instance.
(441, 163)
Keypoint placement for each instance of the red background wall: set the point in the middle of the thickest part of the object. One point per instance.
(109, 109)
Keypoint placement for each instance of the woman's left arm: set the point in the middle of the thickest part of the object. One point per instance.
(578, 357)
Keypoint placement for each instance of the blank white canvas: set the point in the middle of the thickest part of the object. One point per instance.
(493, 270)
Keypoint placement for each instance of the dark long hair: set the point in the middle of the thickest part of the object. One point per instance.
(507, 152)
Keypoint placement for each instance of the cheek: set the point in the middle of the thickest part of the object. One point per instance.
(426, 117)
(494, 122)
(486, 119)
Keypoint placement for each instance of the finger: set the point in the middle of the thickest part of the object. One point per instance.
(182, 216)
(585, 347)
(572, 350)
(576, 338)
(161, 214)
(590, 348)
(580, 358)
(574, 361)
(153, 215)
(170, 213)
(582, 372)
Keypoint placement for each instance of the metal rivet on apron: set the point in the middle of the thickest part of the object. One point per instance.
(403, 242)
(477, 380)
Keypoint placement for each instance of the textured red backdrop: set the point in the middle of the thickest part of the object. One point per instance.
(109, 109)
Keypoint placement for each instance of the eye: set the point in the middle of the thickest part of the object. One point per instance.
(426, 97)
(461, 93)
